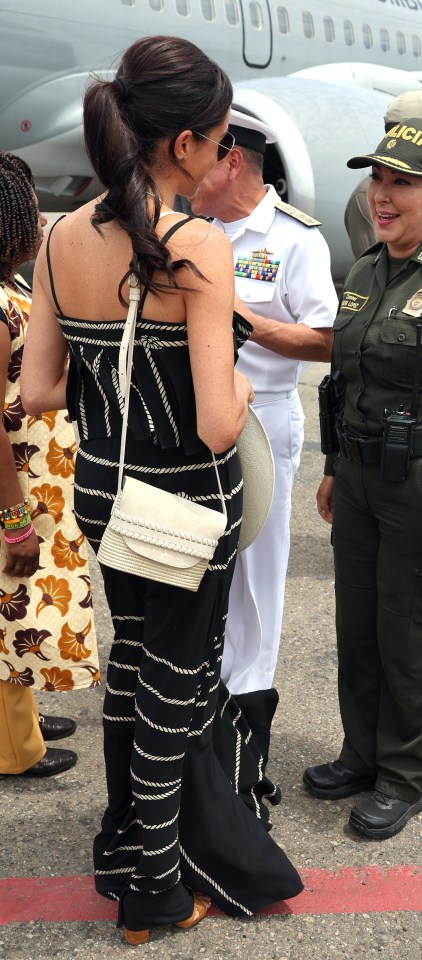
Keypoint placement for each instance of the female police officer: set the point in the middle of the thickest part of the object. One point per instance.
(375, 503)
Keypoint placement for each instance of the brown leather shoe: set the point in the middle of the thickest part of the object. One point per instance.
(54, 761)
(56, 728)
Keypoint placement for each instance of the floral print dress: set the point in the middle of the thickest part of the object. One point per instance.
(47, 632)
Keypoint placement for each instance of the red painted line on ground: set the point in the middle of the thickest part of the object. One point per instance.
(347, 890)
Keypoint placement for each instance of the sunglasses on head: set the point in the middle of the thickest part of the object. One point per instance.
(225, 145)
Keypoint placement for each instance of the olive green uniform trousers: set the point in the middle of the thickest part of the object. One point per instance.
(377, 539)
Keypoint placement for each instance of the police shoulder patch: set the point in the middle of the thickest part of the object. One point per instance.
(297, 214)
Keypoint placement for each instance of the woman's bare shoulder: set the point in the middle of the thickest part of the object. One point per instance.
(199, 235)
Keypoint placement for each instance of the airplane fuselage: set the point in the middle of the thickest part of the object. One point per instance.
(49, 50)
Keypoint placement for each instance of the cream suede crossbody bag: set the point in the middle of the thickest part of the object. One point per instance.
(153, 533)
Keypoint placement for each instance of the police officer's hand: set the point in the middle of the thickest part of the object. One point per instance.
(324, 499)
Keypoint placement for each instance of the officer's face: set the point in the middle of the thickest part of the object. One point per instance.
(209, 199)
(395, 204)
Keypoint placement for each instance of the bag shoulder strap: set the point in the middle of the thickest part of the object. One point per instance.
(136, 304)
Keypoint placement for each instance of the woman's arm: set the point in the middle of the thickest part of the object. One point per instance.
(22, 558)
(324, 498)
(44, 371)
(221, 393)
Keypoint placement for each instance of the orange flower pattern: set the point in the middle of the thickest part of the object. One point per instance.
(72, 645)
(47, 630)
(66, 553)
(48, 500)
(55, 592)
(57, 680)
(61, 460)
(48, 418)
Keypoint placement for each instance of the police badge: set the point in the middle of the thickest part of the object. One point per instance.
(413, 306)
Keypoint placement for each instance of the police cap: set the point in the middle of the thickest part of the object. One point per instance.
(400, 149)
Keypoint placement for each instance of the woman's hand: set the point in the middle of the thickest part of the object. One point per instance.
(243, 386)
(22, 559)
(324, 499)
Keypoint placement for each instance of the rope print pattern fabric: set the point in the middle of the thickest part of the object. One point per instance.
(185, 794)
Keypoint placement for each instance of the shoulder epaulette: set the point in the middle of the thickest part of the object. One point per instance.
(297, 214)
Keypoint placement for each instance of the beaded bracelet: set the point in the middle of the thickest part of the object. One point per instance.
(11, 513)
(17, 524)
(15, 517)
(23, 536)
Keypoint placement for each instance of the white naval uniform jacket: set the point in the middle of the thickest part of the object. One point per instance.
(294, 261)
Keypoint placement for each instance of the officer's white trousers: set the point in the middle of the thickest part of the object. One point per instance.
(256, 599)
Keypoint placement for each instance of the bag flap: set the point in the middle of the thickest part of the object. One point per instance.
(150, 505)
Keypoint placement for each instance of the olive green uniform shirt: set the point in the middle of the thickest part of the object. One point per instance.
(375, 338)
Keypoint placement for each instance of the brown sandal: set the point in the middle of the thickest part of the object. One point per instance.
(135, 937)
(200, 908)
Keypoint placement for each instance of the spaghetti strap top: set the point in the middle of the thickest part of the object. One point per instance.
(167, 213)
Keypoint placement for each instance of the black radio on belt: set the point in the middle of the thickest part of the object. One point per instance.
(397, 438)
(399, 427)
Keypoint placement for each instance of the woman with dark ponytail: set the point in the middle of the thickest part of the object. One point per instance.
(185, 795)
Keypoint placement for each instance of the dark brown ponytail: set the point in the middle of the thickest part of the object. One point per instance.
(163, 85)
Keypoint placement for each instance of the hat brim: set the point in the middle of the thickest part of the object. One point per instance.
(257, 465)
(393, 162)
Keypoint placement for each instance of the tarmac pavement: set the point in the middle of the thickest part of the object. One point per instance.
(362, 898)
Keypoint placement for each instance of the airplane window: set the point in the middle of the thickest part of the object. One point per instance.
(157, 5)
(349, 33)
(401, 43)
(183, 8)
(416, 44)
(329, 29)
(384, 40)
(367, 36)
(232, 13)
(283, 20)
(255, 14)
(308, 24)
(208, 9)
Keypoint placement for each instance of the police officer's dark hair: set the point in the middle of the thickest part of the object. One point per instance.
(254, 159)
(18, 214)
(163, 85)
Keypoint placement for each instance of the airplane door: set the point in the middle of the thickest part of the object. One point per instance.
(257, 32)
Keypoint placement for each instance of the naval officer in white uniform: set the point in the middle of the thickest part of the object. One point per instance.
(282, 268)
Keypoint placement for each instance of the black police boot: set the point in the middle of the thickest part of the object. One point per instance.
(259, 708)
(332, 781)
(380, 816)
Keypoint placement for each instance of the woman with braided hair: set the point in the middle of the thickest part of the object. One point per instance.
(40, 618)
(175, 820)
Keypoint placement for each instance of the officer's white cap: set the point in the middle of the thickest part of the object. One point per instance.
(249, 132)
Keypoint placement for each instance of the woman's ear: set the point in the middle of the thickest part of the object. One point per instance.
(182, 145)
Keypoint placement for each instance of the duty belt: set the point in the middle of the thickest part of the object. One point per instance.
(367, 450)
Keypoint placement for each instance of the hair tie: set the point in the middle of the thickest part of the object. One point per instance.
(122, 88)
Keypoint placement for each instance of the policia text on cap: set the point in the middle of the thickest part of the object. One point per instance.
(372, 493)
